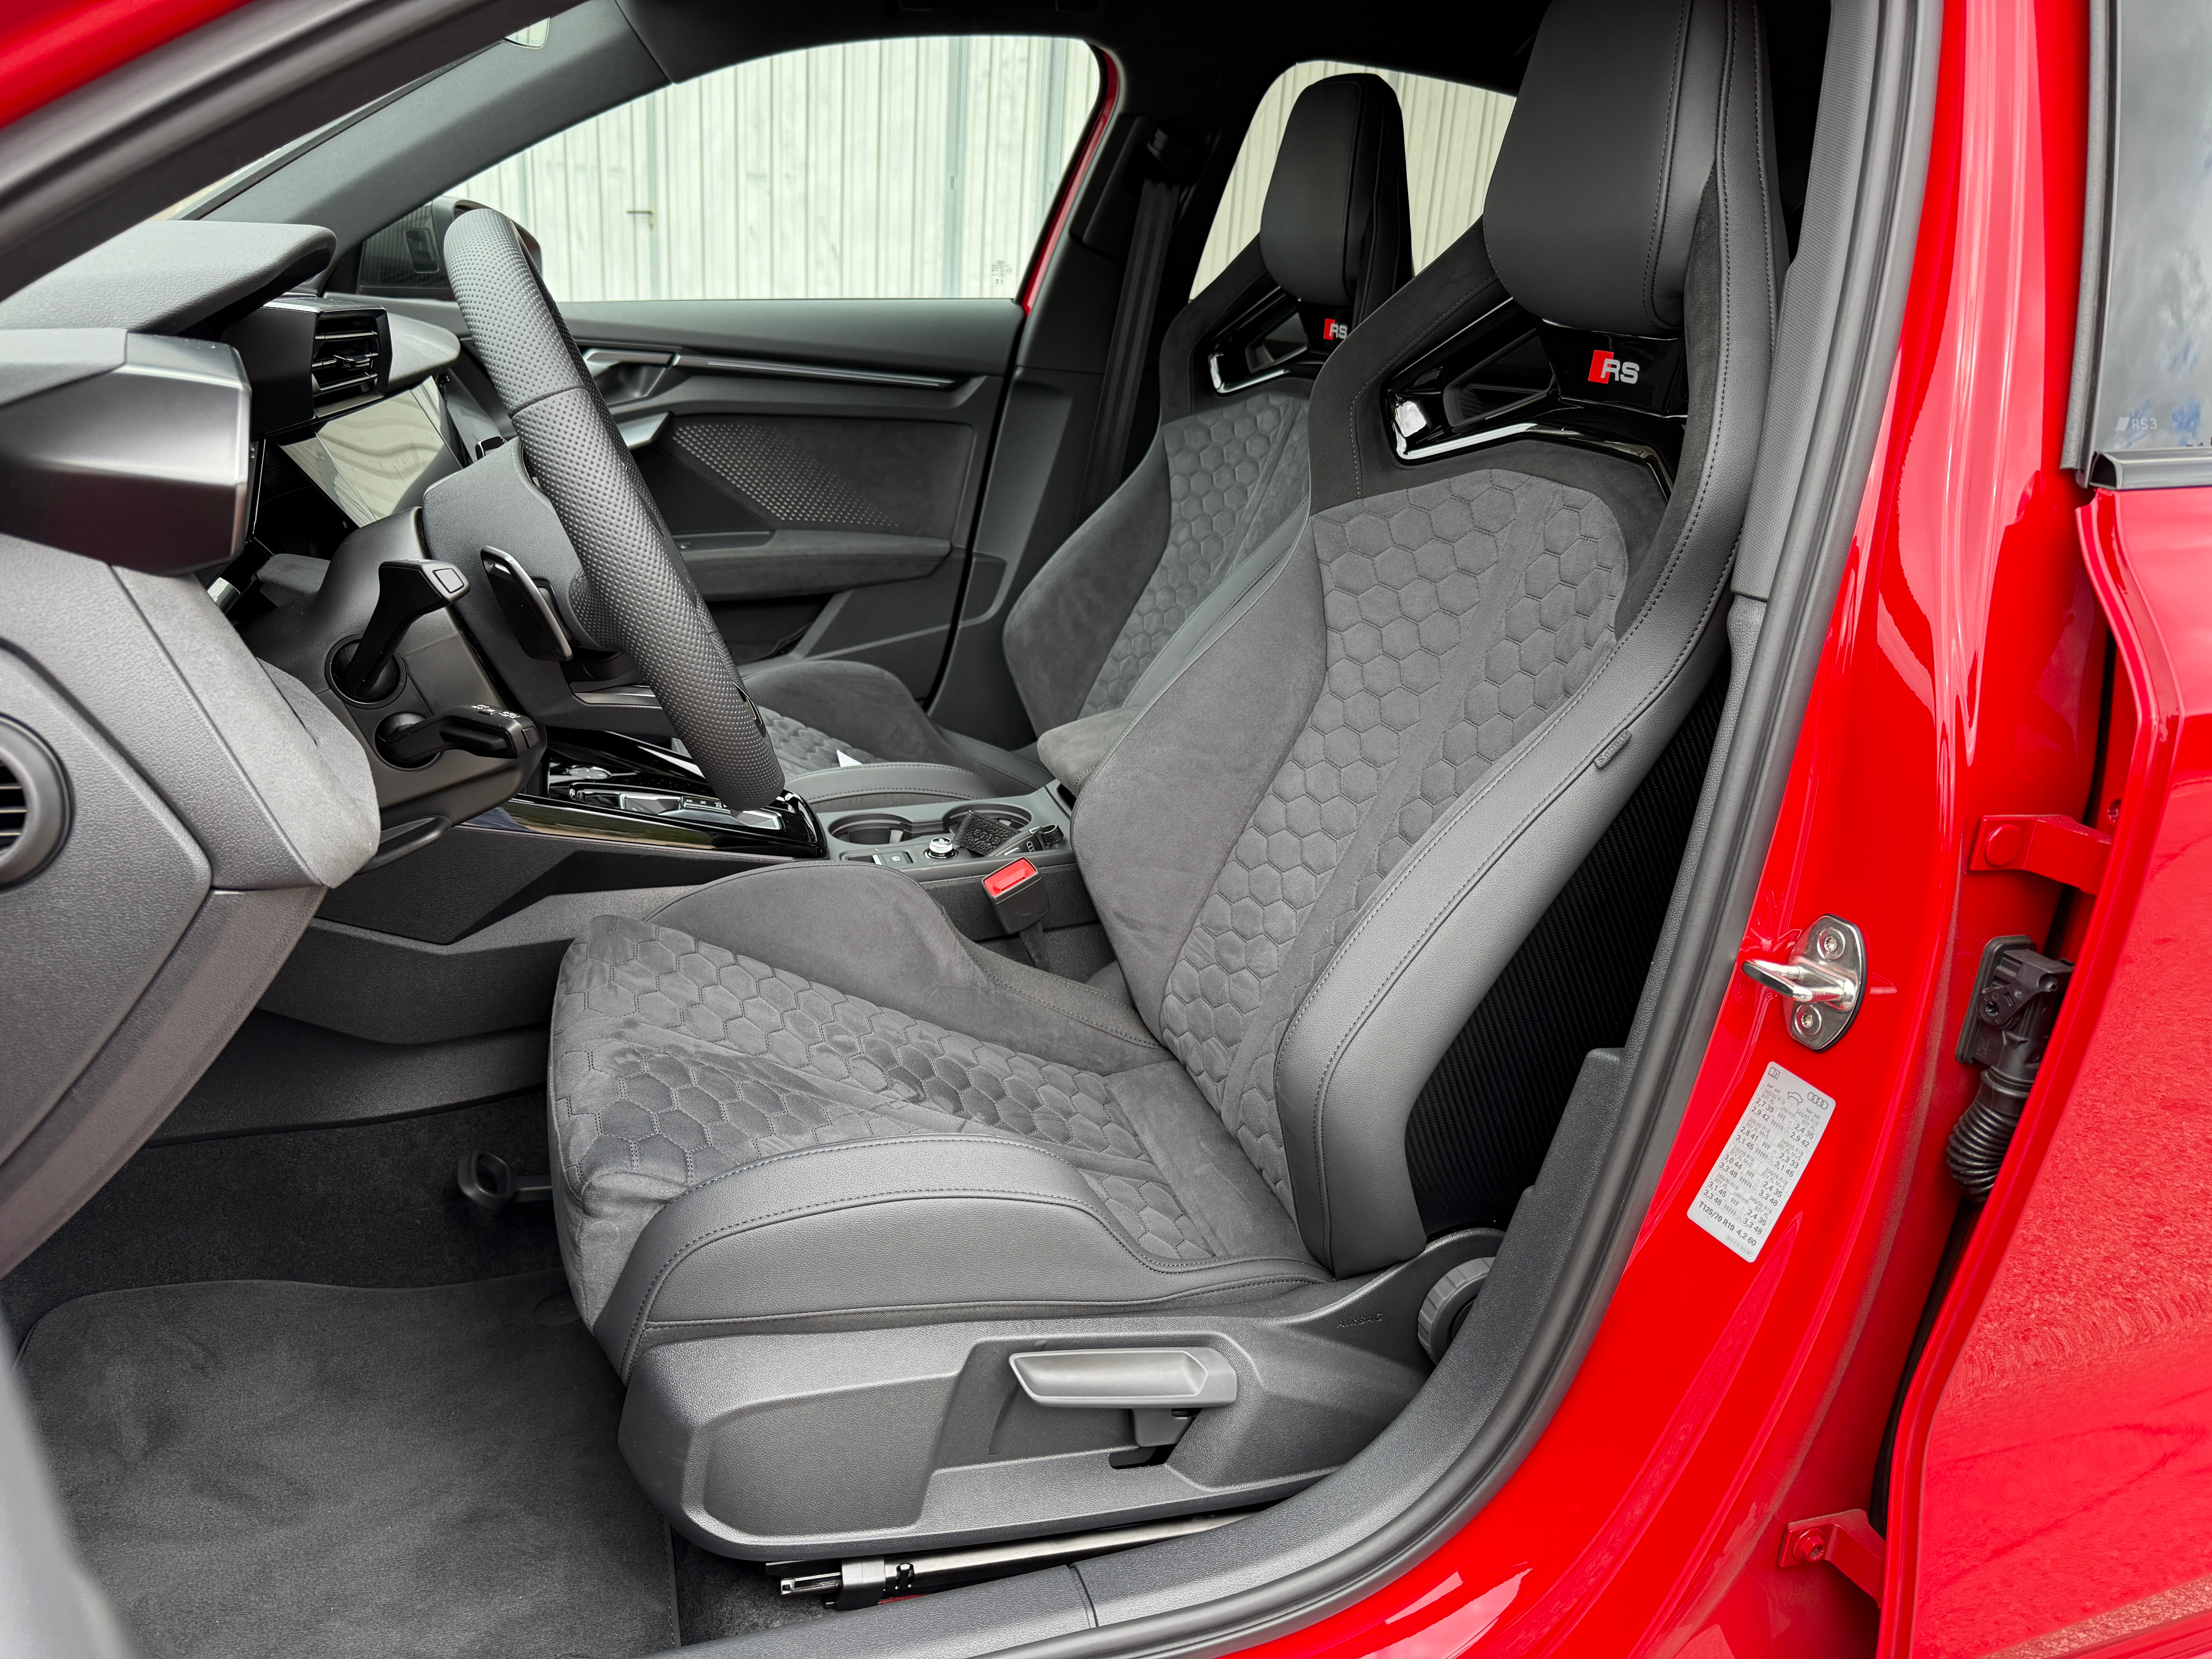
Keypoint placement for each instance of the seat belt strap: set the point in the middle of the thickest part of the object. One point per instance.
(1133, 335)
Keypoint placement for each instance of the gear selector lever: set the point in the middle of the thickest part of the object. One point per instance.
(405, 589)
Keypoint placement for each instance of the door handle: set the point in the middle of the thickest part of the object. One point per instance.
(1825, 981)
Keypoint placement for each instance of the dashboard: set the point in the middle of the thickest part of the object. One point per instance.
(341, 482)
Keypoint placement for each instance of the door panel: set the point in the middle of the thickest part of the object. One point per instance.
(819, 461)
(796, 467)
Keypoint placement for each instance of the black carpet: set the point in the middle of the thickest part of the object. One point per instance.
(269, 1468)
(372, 1205)
(717, 1597)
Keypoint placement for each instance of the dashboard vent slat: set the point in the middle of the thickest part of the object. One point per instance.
(344, 366)
(35, 804)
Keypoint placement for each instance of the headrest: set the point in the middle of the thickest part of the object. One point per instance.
(1334, 228)
(1597, 182)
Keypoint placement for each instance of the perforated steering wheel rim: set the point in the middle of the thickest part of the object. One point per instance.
(582, 465)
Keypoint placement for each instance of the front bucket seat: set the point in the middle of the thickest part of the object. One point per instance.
(1213, 504)
(820, 1160)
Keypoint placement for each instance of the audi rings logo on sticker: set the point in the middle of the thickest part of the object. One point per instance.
(1607, 366)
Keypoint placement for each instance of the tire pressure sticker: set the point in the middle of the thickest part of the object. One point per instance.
(1759, 1168)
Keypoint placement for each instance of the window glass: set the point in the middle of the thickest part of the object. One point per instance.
(2156, 375)
(1452, 135)
(888, 169)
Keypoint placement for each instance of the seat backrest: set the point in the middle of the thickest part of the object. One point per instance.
(1321, 843)
(1225, 471)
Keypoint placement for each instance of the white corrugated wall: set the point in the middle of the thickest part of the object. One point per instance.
(891, 169)
(1452, 135)
(896, 169)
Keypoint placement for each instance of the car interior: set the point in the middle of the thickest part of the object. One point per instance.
(909, 971)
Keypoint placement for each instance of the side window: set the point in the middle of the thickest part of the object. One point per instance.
(1452, 135)
(883, 169)
(2143, 375)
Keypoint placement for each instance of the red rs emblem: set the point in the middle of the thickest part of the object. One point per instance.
(1605, 366)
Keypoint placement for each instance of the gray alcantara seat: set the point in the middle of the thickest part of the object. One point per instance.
(1215, 502)
(824, 1168)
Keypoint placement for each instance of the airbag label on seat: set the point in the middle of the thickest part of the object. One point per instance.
(1759, 1168)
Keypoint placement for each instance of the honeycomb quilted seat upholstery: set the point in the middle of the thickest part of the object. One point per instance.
(800, 1099)
(1214, 502)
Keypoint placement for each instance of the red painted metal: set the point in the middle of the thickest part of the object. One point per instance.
(2043, 844)
(1961, 677)
(1070, 184)
(1847, 1542)
(1959, 680)
(2061, 1428)
(51, 47)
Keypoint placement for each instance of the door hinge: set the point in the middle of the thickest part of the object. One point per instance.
(1847, 1542)
(2042, 844)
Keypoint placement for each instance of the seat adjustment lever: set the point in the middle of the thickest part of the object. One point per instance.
(1161, 1388)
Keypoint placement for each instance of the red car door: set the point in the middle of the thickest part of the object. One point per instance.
(2055, 1457)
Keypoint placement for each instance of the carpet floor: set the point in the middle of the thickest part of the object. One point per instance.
(258, 1468)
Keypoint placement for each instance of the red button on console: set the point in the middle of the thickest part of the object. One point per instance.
(1000, 883)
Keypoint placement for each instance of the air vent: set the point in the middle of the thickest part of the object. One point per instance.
(13, 810)
(345, 370)
(34, 804)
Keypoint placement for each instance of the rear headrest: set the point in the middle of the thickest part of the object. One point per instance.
(1597, 182)
(1334, 231)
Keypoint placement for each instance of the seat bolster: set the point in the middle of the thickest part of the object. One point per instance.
(856, 702)
(887, 783)
(912, 1230)
(1059, 632)
(1445, 924)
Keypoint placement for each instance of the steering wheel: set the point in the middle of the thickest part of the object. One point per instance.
(581, 463)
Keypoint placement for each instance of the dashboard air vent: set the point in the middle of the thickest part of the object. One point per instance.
(35, 807)
(344, 369)
(13, 810)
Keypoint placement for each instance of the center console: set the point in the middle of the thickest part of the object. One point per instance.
(609, 787)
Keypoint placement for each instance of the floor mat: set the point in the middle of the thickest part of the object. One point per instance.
(265, 1468)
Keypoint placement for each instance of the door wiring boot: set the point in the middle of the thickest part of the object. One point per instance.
(2016, 998)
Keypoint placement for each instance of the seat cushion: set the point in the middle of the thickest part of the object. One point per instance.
(1053, 1156)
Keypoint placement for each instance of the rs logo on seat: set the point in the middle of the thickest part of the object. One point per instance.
(1604, 365)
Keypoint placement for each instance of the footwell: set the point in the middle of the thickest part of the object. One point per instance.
(266, 1469)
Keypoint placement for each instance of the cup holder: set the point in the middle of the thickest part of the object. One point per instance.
(875, 829)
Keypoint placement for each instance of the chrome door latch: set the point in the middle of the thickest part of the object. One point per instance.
(1826, 979)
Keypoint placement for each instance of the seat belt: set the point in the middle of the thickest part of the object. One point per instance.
(1133, 335)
